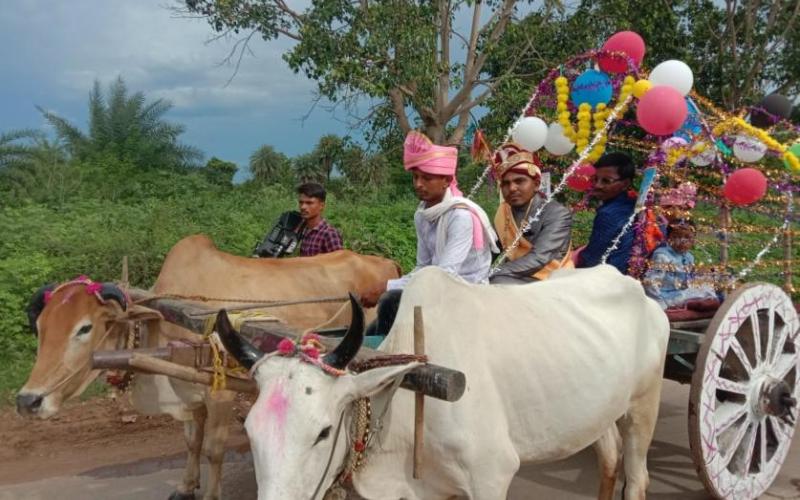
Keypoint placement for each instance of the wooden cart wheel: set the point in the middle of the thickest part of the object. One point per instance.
(745, 385)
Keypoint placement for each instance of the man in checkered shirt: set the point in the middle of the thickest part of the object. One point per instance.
(319, 236)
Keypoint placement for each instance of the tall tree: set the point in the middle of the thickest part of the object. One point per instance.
(363, 169)
(268, 165)
(329, 152)
(128, 128)
(410, 56)
(220, 171)
(307, 168)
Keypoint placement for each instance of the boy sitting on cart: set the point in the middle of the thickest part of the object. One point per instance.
(670, 279)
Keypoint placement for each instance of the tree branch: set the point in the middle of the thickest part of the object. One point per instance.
(504, 15)
(296, 16)
(399, 109)
(444, 54)
(473, 39)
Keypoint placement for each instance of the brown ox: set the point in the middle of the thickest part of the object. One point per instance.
(72, 324)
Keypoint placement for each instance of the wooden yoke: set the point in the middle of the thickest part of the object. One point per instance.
(431, 380)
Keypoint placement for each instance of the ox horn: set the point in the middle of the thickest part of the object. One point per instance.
(351, 343)
(36, 305)
(245, 353)
(110, 291)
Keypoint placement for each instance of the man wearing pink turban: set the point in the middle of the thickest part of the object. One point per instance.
(453, 233)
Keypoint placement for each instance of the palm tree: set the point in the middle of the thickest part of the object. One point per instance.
(127, 127)
(268, 165)
(35, 169)
(307, 168)
(329, 152)
(16, 147)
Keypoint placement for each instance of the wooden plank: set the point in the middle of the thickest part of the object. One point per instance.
(429, 379)
(182, 354)
(118, 360)
(684, 341)
(159, 366)
(694, 324)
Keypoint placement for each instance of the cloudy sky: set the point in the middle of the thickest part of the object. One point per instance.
(53, 51)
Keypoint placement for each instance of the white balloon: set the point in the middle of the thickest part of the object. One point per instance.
(673, 73)
(557, 143)
(530, 133)
(748, 149)
(706, 157)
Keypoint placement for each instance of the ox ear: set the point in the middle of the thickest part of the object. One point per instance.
(110, 291)
(36, 305)
(352, 340)
(236, 345)
(372, 381)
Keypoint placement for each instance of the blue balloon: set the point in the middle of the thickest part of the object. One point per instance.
(591, 86)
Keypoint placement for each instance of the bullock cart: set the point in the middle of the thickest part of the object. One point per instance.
(195, 362)
(742, 359)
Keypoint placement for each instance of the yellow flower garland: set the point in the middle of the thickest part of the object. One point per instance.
(586, 118)
(734, 122)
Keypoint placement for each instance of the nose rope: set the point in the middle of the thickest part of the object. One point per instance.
(330, 458)
(75, 372)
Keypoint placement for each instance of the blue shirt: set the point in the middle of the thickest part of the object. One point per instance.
(609, 220)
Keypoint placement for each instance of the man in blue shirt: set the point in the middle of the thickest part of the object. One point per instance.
(611, 183)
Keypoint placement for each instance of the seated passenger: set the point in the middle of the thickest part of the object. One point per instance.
(453, 232)
(544, 246)
(611, 184)
(669, 278)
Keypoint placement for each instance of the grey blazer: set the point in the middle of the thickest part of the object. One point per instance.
(550, 237)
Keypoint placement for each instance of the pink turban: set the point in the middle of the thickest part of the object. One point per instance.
(420, 153)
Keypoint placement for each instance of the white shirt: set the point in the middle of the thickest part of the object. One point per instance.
(459, 257)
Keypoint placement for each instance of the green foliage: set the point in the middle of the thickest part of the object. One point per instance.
(32, 167)
(126, 128)
(16, 147)
(219, 171)
(21, 274)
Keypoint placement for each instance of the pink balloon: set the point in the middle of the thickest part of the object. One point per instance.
(627, 42)
(581, 178)
(662, 110)
(745, 186)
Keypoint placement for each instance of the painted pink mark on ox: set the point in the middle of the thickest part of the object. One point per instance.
(270, 416)
(277, 405)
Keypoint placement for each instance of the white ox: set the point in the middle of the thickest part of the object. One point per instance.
(551, 367)
(72, 324)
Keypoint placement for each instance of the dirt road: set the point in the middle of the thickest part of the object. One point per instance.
(90, 453)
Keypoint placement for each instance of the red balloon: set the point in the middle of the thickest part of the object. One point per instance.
(745, 186)
(627, 42)
(662, 110)
(581, 178)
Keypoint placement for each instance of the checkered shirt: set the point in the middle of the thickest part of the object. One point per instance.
(323, 238)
